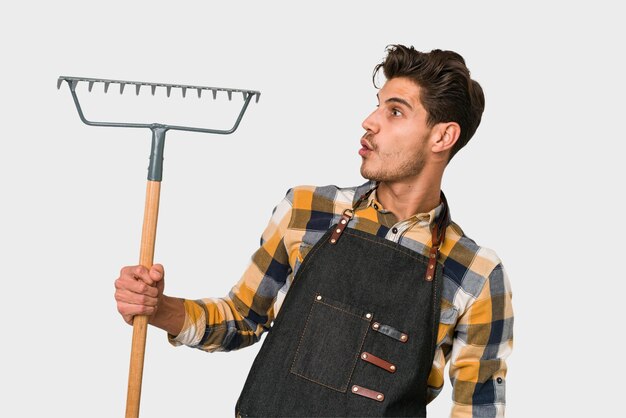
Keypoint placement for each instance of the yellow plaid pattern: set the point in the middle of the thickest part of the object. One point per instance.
(476, 324)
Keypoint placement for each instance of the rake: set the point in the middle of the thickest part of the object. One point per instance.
(153, 191)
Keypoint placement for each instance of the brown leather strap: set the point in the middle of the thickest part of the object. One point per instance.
(438, 236)
(347, 215)
(439, 229)
(377, 361)
(368, 393)
(343, 222)
(432, 262)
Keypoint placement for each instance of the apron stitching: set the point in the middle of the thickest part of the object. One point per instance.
(306, 324)
(342, 310)
(344, 389)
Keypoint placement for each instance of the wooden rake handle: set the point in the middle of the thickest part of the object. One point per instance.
(140, 322)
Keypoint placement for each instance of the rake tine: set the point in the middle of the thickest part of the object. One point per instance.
(169, 90)
(258, 96)
(184, 91)
(122, 85)
(230, 95)
(153, 88)
(106, 86)
(137, 87)
(59, 82)
(90, 86)
(214, 94)
(199, 93)
(245, 95)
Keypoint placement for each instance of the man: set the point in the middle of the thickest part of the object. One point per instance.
(376, 287)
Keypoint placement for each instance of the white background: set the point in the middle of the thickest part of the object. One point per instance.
(540, 182)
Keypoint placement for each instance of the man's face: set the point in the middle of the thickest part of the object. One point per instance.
(395, 144)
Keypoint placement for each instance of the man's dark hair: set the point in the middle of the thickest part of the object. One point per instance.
(446, 90)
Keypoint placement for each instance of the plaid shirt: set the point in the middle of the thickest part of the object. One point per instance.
(476, 323)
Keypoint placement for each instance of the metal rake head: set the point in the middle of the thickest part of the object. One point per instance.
(158, 130)
(72, 82)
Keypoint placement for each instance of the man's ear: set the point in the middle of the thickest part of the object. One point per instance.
(446, 135)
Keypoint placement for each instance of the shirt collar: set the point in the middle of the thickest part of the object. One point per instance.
(430, 217)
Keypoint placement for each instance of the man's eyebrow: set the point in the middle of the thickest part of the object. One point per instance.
(399, 100)
(396, 100)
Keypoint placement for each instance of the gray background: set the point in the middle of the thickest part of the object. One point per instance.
(539, 182)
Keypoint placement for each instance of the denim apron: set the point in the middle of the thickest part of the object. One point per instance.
(356, 333)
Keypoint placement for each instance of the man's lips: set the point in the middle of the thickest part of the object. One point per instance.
(365, 148)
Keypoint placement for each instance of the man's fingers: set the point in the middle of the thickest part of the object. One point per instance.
(131, 304)
(128, 318)
(136, 286)
(157, 272)
(133, 271)
(138, 273)
(142, 273)
(130, 297)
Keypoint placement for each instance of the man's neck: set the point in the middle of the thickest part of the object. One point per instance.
(407, 198)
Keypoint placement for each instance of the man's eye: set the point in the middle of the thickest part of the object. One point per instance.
(396, 112)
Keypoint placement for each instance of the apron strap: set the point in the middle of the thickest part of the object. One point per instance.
(438, 230)
(347, 215)
(438, 236)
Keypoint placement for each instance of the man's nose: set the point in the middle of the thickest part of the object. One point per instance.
(370, 123)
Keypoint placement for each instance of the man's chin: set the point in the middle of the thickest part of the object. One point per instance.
(368, 175)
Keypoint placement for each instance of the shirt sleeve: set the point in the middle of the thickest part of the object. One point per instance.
(239, 319)
(483, 340)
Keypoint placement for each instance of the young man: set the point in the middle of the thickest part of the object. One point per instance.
(376, 287)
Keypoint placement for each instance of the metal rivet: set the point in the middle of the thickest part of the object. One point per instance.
(355, 389)
(376, 325)
(364, 356)
(343, 221)
(333, 241)
(379, 396)
(392, 367)
(338, 231)
(368, 316)
(431, 267)
(429, 277)
(318, 297)
(433, 256)
(403, 337)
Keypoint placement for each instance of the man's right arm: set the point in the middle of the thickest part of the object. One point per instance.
(216, 324)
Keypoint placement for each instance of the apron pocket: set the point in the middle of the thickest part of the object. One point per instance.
(330, 343)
